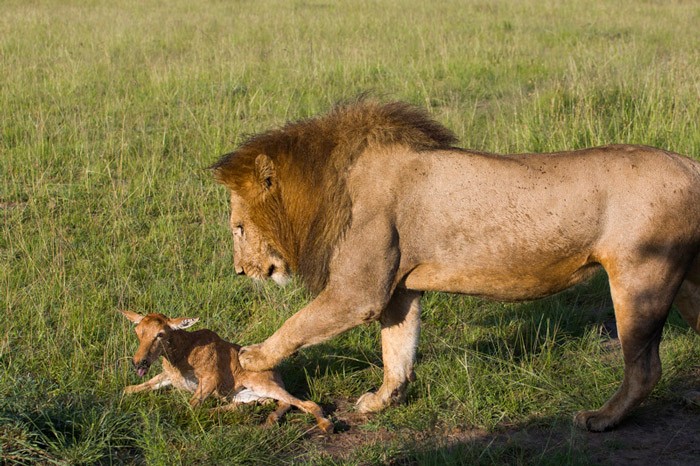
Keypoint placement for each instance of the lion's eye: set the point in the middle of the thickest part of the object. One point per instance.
(160, 335)
(238, 229)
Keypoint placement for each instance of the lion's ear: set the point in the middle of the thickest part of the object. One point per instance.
(265, 172)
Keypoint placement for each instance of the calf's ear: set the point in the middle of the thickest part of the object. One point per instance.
(132, 316)
(182, 322)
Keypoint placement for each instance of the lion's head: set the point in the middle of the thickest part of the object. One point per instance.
(252, 255)
(289, 199)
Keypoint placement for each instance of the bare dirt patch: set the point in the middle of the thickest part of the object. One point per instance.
(658, 433)
(653, 435)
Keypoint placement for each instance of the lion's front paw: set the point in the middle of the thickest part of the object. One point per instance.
(593, 421)
(254, 358)
(370, 402)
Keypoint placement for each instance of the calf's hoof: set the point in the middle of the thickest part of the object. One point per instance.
(326, 425)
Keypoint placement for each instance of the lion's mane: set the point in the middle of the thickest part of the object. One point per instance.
(306, 217)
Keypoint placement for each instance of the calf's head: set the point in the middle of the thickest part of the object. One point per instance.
(154, 332)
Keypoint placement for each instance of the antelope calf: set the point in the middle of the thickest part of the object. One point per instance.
(203, 363)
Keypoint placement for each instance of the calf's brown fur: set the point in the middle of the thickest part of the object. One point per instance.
(203, 363)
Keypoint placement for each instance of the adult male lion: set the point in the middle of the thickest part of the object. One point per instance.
(372, 205)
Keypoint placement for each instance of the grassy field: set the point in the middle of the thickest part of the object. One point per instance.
(110, 112)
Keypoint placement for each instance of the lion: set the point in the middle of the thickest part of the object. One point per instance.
(372, 204)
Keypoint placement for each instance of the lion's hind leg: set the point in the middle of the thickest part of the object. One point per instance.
(688, 304)
(642, 297)
(688, 299)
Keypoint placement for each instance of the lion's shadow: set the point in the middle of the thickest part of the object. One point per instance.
(661, 431)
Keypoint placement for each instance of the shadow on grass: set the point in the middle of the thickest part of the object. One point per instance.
(522, 328)
(662, 431)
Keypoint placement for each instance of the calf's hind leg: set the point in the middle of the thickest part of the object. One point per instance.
(277, 414)
(265, 385)
(642, 299)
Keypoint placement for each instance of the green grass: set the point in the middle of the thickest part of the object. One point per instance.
(111, 111)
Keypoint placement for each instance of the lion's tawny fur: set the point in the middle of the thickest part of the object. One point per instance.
(312, 158)
(372, 206)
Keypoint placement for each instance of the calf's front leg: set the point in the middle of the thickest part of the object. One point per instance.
(159, 381)
(206, 387)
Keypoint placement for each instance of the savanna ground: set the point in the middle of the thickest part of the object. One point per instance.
(110, 112)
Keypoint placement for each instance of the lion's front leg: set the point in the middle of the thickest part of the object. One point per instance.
(400, 331)
(328, 315)
(359, 288)
(258, 358)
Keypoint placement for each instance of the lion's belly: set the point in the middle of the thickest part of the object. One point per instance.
(501, 284)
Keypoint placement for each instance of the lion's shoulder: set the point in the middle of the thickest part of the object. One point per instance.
(307, 214)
